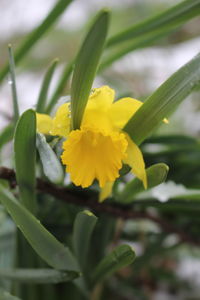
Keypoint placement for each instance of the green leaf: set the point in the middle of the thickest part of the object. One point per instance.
(13, 83)
(86, 66)
(169, 19)
(120, 257)
(42, 241)
(8, 241)
(170, 190)
(40, 108)
(25, 158)
(83, 228)
(6, 135)
(4, 295)
(37, 33)
(173, 139)
(176, 205)
(164, 101)
(38, 275)
(51, 165)
(147, 32)
(156, 175)
(138, 43)
(60, 86)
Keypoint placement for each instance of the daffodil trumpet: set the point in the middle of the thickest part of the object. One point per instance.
(100, 147)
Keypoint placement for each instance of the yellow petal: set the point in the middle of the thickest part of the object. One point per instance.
(44, 123)
(61, 121)
(135, 160)
(91, 155)
(122, 110)
(96, 116)
(105, 191)
(95, 119)
(101, 98)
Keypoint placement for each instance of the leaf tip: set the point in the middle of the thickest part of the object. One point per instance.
(89, 213)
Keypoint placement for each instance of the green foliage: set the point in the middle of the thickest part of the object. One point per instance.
(13, 84)
(164, 101)
(51, 165)
(42, 241)
(4, 295)
(25, 158)
(86, 66)
(37, 34)
(147, 32)
(83, 228)
(90, 252)
(6, 135)
(40, 108)
(171, 18)
(120, 257)
(38, 276)
(156, 175)
(60, 87)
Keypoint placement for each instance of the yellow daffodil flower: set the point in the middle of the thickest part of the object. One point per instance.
(98, 149)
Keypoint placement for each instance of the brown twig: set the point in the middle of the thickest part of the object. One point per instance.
(90, 200)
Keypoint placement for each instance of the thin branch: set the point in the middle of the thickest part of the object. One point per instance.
(90, 200)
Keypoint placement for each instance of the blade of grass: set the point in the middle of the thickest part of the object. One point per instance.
(86, 66)
(177, 139)
(25, 158)
(120, 257)
(13, 83)
(175, 205)
(138, 43)
(38, 276)
(4, 295)
(170, 18)
(37, 33)
(147, 32)
(42, 241)
(164, 101)
(6, 135)
(156, 175)
(60, 86)
(40, 108)
(83, 227)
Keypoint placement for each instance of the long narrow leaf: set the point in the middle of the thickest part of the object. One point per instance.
(145, 33)
(25, 158)
(156, 175)
(164, 101)
(60, 86)
(132, 45)
(173, 139)
(120, 257)
(13, 83)
(42, 241)
(6, 134)
(171, 18)
(86, 66)
(4, 295)
(38, 32)
(38, 275)
(83, 227)
(45, 87)
(51, 165)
